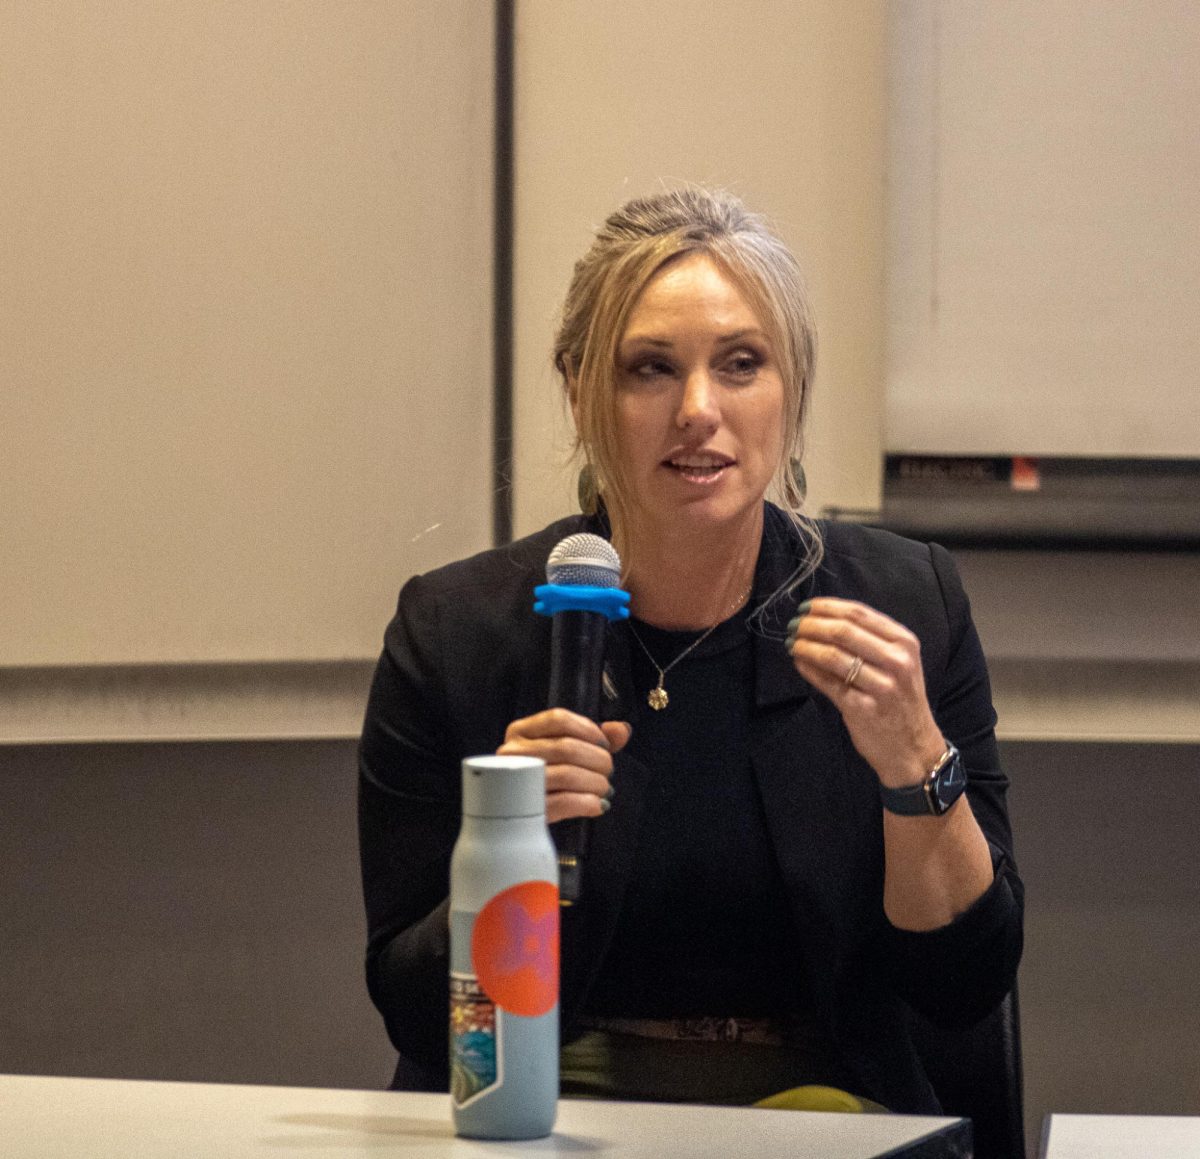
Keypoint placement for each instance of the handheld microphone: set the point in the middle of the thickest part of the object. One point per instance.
(581, 596)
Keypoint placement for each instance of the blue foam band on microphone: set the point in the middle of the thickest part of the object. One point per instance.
(555, 598)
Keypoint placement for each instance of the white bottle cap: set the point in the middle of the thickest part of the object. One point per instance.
(504, 787)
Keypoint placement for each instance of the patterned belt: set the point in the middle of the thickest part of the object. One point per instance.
(760, 1031)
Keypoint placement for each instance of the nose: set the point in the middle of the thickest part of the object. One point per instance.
(699, 406)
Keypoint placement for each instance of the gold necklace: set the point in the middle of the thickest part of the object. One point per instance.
(657, 697)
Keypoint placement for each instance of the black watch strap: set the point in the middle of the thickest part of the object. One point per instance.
(935, 794)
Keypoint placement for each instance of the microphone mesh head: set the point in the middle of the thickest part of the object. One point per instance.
(584, 560)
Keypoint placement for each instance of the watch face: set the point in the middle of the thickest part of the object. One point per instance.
(950, 783)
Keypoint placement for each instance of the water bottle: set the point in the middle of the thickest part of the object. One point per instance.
(504, 954)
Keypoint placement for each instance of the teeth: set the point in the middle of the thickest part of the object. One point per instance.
(699, 465)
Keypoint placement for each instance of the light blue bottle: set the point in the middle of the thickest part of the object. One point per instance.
(504, 954)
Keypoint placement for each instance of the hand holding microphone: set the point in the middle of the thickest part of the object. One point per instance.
(581, 597)
(578, 755)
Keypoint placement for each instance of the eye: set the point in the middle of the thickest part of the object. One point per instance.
(743, 365)
(648, 368)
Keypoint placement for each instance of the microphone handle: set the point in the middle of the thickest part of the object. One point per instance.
(576, 672)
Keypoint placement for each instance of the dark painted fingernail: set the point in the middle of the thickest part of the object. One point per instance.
(612, 792)
(605, 805)
(804, 609)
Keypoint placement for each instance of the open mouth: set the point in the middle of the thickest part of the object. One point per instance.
(699, 468)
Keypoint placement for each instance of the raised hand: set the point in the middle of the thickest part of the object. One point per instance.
(870, 667)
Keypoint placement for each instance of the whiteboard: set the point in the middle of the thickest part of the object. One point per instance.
(1043, 280)
(244, 323)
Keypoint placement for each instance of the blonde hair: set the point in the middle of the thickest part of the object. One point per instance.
(633, 245)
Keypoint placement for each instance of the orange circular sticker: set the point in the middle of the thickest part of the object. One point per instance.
(514, 948)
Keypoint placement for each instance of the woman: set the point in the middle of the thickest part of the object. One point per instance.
(783, 858)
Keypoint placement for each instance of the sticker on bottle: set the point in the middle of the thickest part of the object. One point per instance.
(512, 971)
(474, 1045)
(514, 948)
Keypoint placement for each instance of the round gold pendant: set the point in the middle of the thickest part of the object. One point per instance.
(658, 698)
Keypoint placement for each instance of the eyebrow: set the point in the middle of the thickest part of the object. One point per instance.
(666, 343)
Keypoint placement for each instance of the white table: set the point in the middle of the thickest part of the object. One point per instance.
(52, 1118)
(1120, 1137)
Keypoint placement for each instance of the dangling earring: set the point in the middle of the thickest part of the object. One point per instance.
(799, 479)
(587, 491)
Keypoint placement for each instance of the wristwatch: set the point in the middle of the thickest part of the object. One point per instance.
(935, 794)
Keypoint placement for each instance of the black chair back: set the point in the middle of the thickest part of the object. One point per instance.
(976, 1073)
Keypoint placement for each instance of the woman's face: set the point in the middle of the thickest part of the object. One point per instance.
(699, 402)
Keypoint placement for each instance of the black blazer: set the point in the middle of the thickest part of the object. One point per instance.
(464, 656)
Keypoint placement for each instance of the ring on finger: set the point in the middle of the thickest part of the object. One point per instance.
(853, 671)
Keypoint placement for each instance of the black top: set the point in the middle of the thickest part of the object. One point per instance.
(705, 929)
